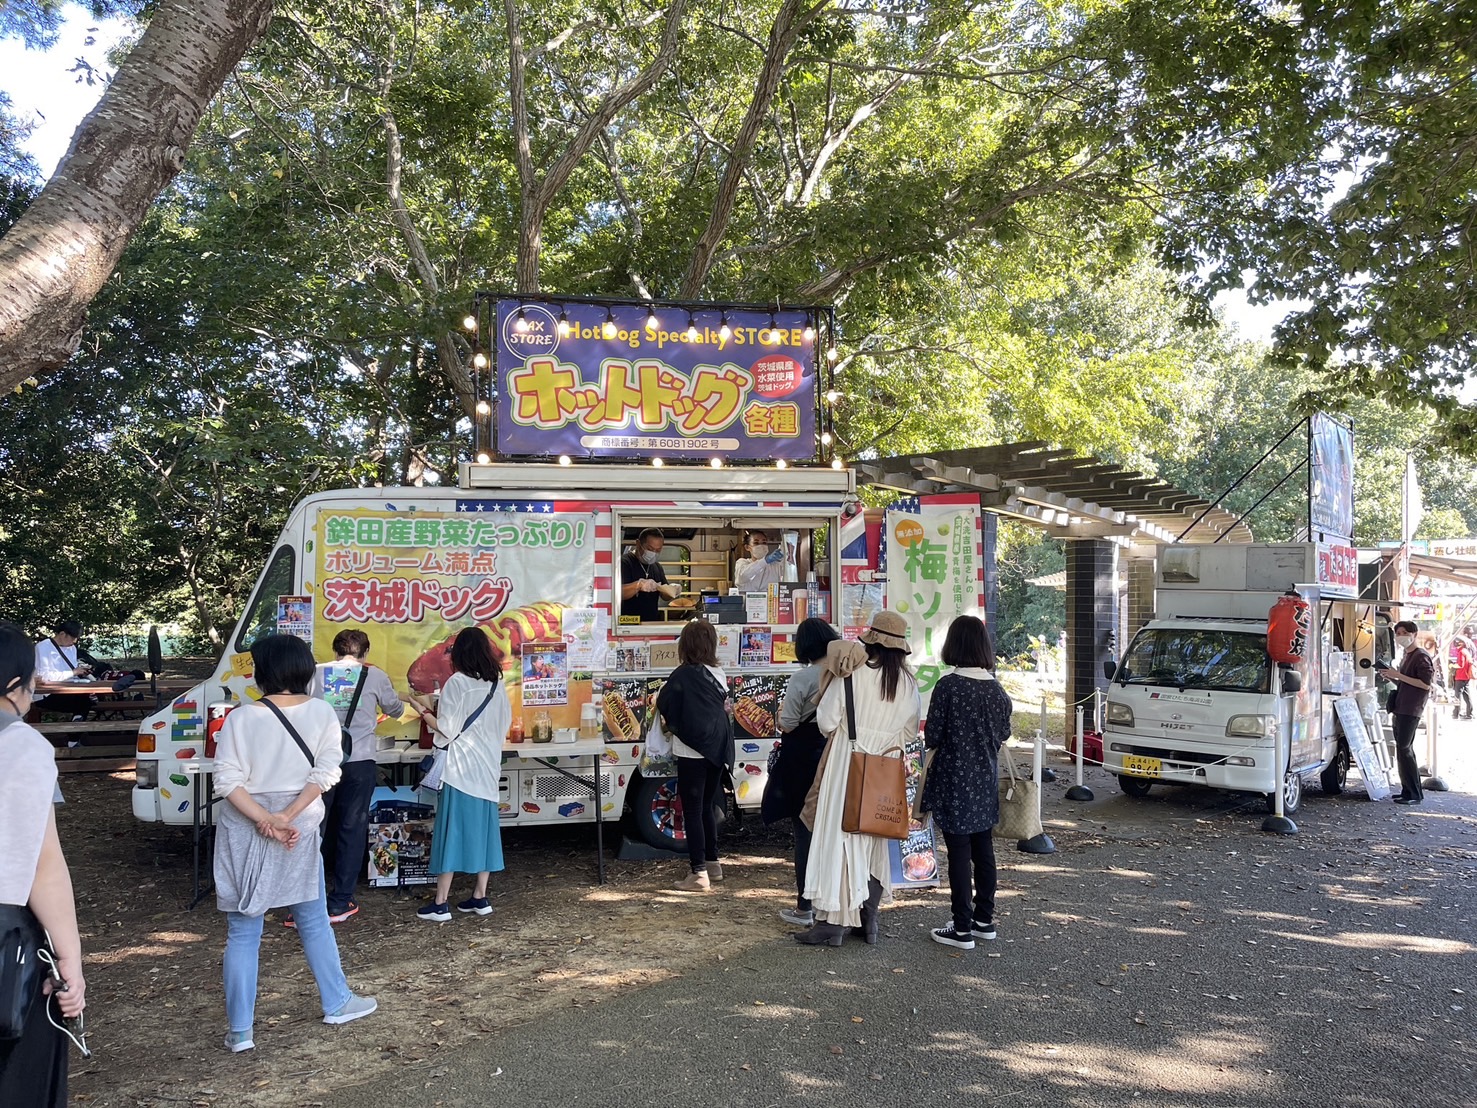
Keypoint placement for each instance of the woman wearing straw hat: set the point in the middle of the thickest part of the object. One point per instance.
(848, 874)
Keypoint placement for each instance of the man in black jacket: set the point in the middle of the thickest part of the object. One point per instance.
(1412, 687)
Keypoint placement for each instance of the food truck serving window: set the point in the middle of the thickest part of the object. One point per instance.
(1198, 659)
(715, 566)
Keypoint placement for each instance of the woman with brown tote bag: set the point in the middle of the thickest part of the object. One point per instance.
(848, 873)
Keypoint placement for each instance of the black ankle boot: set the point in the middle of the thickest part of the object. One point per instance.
(822, 934)
(868, 929)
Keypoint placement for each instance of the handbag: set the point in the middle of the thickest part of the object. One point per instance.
(21, 969)
(876, 788)
(434, 764)
(1020, 807)
(657, 760)
(918, 813)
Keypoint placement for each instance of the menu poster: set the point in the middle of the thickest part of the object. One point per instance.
(295, 617)
(755, 647)
(914, 861)
(623, 707)
(338, 685)
(628, 659)
(728, 645)
(585, 634)
(545, 673)
(756, 706)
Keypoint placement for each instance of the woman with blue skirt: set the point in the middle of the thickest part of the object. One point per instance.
(471, 724)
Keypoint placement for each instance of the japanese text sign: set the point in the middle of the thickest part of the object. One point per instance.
(622, 381)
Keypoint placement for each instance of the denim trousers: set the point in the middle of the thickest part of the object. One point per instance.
(243, 946)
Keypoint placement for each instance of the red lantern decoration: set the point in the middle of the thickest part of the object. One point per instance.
(1289, 627)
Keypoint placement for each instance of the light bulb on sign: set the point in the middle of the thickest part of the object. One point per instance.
(483, 407)
(825, 438)
(563, 325)
(470, 323)
(780, 463)
(484, 457)
(658, 463)
(809, 333)
(564, 459)
(521, 323)
(652, 323)
(831, 354)
(479, 360)
(725, 332)
(716, 463)
(836, 463)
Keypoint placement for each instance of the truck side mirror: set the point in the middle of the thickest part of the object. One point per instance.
(1110, 667)
(1292, 681)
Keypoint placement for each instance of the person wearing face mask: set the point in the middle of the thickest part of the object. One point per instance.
(643, 580)
(1412, 686)
(764, 566)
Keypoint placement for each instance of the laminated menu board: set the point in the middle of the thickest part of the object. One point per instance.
(399, 838)
(623, 707)
(915, 862)
(756, 705)
(1351, 722)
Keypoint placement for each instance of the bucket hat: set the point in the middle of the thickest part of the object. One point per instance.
(890, 630)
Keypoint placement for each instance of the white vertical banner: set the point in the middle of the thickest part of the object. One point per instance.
(933, 575)
(1412, 510)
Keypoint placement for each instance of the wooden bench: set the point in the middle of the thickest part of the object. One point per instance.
(143, 707)
(94, 759)
(89, 727)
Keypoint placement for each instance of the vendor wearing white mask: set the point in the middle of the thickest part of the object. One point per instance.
(764, 566)
(643, 580)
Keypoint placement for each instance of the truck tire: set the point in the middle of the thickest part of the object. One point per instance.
(1134, 786)
(1335, 775)
(1292, 795)
(656, 813)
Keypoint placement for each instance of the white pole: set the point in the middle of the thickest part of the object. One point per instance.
(1079, 745)
(1036, 764)
(1042, 732)
(1278, 769)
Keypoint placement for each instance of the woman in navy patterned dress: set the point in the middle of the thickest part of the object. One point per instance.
(968, 722)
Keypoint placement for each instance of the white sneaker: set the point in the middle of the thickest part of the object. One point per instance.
(796, 917)
(352, 1009)
(237, 1041)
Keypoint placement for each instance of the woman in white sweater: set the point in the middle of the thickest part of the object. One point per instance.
(274, 761)
(471, 723)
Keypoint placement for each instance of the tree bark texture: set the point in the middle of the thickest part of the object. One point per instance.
(128, 149)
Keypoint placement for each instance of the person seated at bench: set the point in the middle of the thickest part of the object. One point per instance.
(58, 659)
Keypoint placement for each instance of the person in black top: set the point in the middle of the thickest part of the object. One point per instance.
(1412, 687)
(643, 580)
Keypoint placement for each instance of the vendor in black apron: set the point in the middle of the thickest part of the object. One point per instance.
(643, 581)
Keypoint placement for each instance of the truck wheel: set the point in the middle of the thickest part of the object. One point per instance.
(656, 811)
(1292, 795)
(1134, 786)
(1335, 775)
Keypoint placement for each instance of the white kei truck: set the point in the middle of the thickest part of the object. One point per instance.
(1197, 700)
(530, 552)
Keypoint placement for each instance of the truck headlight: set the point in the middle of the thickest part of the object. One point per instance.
(1251, 727)
(1120, 714)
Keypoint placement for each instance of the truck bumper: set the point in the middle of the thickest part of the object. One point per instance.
(146, 805)
(1189, 767)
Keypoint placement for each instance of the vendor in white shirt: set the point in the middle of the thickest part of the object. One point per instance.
(764, 566)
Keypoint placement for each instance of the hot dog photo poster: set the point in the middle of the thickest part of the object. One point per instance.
(413, 579)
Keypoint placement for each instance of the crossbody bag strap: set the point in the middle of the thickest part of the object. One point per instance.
(471, 719)
(850, 712)
(291, 730)
(358, 688)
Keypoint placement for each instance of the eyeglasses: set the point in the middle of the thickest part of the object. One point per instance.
(74, 1027)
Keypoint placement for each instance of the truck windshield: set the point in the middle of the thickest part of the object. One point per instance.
(1198, 658)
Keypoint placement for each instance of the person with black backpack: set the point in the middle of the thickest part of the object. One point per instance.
(358, 703)
(274, 761)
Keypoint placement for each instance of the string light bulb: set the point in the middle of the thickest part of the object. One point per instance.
(836, 463)
(483, 407)
(773, 336)
(725, 332)
(520, 324)
(809, 333)
(832, 396)
(470, 323)
(563, 324)
(658, 463)
(484, 457)
(825, 438)
(479, 360)
(564, 459)
(780, 463)
(716, 463)
(831, 354)
(608, 328)
(652, 323)
(691, 333)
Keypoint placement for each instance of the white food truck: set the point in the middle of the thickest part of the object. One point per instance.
(530, 552)
(1197, 700)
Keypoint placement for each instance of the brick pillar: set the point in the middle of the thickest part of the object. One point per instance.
(989, 535)
(1092, 615)
(1139, 565)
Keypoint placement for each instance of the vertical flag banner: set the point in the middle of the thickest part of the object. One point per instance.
(1330, 478)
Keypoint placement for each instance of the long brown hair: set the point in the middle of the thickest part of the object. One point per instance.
(892, 663)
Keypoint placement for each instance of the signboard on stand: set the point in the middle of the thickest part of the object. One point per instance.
(1371, 768)
(638, 381)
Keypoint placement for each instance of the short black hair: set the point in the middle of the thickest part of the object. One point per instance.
(352, 641)
(1408, 625)
(283, 663)
(650, 533)
(69, 627)
(968, 644)
(17, 658)
(811, 639)
(471, 653)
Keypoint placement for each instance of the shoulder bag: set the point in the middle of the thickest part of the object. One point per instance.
(876, 787)
(433, 764)
(21, 970)
(1020, 809)
(345, 739)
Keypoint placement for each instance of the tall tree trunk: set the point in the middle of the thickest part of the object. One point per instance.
(128, 149)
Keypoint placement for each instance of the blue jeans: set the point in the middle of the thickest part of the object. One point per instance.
(243, 944)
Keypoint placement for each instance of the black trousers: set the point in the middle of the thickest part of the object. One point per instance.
(1460, 693)
(1410, 772)
(346, 832)
(33, 1068)
(971, 879)
(802, 857)
(698, 786)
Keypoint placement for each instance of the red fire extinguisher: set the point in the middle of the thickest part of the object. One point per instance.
(1289, 626)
